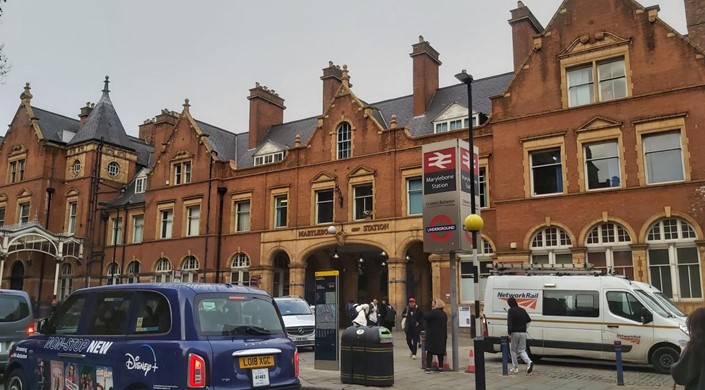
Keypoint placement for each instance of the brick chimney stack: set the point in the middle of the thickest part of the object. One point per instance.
(85, 111)
(266, 110)
(695, 19)
(426, 65)
(332, 80)
(524, 27)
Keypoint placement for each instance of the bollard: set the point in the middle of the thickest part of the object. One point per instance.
(479, 363)
(505, 352)
(620, 370)
(422, 348)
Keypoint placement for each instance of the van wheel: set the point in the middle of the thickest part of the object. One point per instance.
(15, 381)
(663, 358)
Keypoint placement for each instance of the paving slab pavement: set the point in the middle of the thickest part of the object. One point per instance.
(548, 374)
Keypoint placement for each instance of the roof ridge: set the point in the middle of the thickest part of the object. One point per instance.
(53, 113)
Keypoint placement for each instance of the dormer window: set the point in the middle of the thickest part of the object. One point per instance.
(455, 117)
(269, 158)
(140, 185)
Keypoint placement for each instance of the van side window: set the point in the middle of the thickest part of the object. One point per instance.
(13, 308)
(110, 316)
(569, 303)
(67, 317)
(153, 315)
(624, 304)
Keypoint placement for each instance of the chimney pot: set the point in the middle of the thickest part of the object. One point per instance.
(426, 65)
(525, 27)
(266, 110)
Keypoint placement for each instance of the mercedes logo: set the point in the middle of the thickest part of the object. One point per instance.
(301, 330)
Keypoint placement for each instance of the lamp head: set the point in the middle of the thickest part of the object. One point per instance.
(474, 223)
(464, 77)
(332, 229)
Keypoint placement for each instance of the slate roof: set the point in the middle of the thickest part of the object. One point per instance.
(103, 123)
(220, 140)
(53, 125)
(145, 151)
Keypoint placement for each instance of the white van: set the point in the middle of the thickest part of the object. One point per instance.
(583, 315)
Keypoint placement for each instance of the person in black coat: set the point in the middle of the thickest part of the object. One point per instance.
(689, 370)
(386, 316)
(436, 333)
(412, 325)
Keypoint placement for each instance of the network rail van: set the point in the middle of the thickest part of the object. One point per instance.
(583, 314)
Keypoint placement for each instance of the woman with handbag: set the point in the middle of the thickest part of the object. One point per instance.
(689, 370)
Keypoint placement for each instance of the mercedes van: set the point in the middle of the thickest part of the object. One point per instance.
(16, 320)
(583, 315)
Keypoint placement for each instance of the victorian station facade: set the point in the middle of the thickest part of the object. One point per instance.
(591, 150)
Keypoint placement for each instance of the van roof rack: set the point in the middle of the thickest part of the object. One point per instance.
(545, 269)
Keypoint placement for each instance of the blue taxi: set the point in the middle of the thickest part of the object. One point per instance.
(158, 336)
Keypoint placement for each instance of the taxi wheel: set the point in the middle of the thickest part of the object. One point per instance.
(15, 381)
(663, 358)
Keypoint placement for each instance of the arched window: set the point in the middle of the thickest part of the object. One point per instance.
(114, 273)
(162, 271)
(467, 270)
(66, 282)
(189, 269)
(76, 167)
(240, 270)
(344, 141)
(133, 272)
(551, 245)
(608, 249)
(674, 262)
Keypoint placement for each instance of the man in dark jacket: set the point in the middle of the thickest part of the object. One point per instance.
(517, 319)
(412, 326)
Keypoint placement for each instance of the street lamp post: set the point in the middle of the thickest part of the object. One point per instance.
(467, 79)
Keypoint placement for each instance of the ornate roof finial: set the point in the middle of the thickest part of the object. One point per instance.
(186, 105)
(346, 76)
(394, 121)
(105, 88)
(297, 141)
(26, 96)
(421, 38)
(330, 63)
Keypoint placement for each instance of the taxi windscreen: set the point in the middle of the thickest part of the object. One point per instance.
(236, 315)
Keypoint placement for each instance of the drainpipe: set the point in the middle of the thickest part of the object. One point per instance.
(124, 240)
(221, 195)
(50, 192)
(213, 154)
(104, 217)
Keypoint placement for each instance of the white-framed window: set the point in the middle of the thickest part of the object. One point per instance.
(674, 262)
(663, 157)
(455, 124)
(551, 245)
(116, 231)
(66, 282)
(344, 141)
(482, 181)
(240, 270)
(189, 269)
(76, 167)
(182, 172)
(24, 212)
(133, 272)
(16, 173)
(602, 168)
(113, 273)
(611, 82)
(414, 196)
(467, 271)
(363, 204)
(324, 206)
(71, 225)
(137, 228)
(242, 216)
(113, 169)
(140, 185)
(193, 216)
(2, 215)
(608, 249)
(166, 223)
(269, 158)
(546, 172)
(162, 271)
(281, 205)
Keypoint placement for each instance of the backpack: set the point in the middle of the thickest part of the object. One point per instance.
(350, 310)
(391, 314)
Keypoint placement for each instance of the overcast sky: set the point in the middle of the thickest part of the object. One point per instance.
(158, 52)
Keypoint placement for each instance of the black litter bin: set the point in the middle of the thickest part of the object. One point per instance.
(367, 356)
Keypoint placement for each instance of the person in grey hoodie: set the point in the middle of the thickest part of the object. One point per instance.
(689, 370)
(517, 319)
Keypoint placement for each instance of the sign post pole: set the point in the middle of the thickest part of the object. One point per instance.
(455, 329)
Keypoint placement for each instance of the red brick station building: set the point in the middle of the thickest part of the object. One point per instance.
(591, 150)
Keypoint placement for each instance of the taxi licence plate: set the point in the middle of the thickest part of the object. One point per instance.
(257, 361)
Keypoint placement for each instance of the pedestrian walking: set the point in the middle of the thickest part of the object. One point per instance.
(517, 320)
(436, 334)
(413, 319)
(689, 370)
(372, 316)
(387, 315)
(361, 318)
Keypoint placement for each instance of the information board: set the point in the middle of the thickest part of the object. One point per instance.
(326, 354)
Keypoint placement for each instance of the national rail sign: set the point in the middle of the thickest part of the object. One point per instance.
(446, 195)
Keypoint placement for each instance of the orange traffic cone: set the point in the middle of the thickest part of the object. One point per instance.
(434, 363)
(471, 366)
